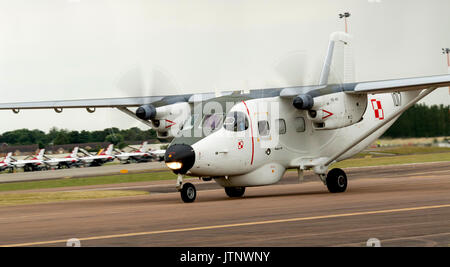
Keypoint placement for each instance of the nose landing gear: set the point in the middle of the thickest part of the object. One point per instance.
(187, 191)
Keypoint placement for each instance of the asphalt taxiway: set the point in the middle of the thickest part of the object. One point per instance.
(406, 205)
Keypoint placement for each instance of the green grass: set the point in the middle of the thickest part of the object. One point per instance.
(394, 160)
(45, 197)
(68, 182)
(409, 150)
(404, 150)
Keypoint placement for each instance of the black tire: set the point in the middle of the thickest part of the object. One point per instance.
(336, 181)
(235, 191)
(188, 193)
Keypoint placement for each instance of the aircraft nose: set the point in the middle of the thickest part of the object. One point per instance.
(180, 158)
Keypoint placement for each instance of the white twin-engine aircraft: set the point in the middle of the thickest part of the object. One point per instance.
(244, 139)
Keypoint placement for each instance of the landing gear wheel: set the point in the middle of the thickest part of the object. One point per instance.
(235, 191)
(336, 181)
(188, 193)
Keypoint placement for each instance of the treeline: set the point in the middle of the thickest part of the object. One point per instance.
(418, 121)
(61, 136)
(422, 121)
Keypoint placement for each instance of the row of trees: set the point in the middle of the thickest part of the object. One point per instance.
(422, 121)
(418, 121)
(61, 136)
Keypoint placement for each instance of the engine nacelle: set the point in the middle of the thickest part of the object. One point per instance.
(303, 102)
(337, 110)
(166, 120)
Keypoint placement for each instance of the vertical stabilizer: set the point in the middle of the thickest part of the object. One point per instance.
(74, 152)
(40, 156)
(109, 150)
(339, 62)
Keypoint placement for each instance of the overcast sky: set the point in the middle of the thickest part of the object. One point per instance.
(76, 49)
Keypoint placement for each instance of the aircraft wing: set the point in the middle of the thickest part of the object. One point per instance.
(357, 88)
(84, 103)
(111, 102)
(398, 85)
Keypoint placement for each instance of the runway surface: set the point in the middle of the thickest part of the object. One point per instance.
(407, 205)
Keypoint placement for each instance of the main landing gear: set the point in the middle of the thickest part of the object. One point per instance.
(235, 191)
(336, 181)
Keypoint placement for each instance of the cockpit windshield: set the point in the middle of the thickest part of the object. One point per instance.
(211, 122)
(236, 121)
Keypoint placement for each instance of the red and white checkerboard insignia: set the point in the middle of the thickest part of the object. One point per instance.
(241, 145)
(378, 109)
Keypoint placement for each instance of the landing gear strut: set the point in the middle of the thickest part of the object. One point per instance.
(336, 181)
(235, 191)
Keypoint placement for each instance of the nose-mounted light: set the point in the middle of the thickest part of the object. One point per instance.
(180, 158)
(174, 165)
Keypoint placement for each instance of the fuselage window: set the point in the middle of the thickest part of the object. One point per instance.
(300, 124)
(280, 124)
(236, 121)
(263, 128)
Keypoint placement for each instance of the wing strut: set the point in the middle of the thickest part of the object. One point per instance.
(133, 115)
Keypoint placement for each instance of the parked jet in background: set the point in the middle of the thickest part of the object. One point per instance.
(34, 164)
(101, 158)
(158, 154)
(62, 163)
(5, 164)
(140, 155)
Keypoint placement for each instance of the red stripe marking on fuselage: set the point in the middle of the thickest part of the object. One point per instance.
(251, 128)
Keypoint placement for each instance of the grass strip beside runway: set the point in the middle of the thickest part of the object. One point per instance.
(369, 161)
(100, 180)
(13, 199)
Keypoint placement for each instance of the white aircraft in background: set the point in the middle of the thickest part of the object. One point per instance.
(250, 138)
(158, 154)
(139, 155)
(102, 157)
(36, 163)
(5, 164)
(66, 162)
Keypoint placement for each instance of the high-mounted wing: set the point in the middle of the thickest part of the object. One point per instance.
(398, 85)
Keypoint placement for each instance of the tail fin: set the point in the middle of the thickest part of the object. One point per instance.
(7, 159)
(339, 60)
(109, 150)
(74, 152)
(144, 147)
(41, 154)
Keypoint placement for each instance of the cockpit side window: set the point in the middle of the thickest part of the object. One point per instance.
(236, 121)
(211, 122)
